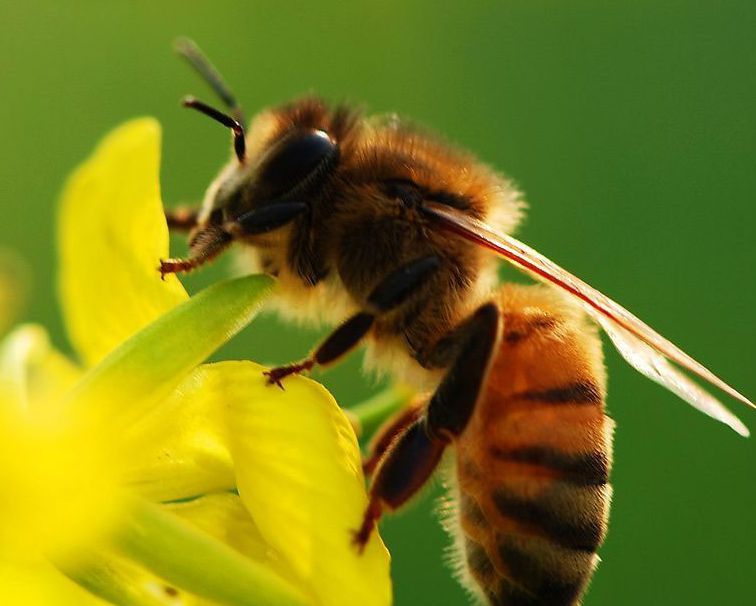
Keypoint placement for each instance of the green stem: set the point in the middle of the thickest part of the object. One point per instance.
(196, 562)
(371, 413)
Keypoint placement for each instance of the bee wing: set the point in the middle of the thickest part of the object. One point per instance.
(641, 346)
(649, 362)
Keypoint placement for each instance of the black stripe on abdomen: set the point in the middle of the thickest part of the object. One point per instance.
(582, 392)
(587, 469)
(568, 515)
(541, 574)
(478, 562)
(471, 511)
(507, 593)
(522, 331)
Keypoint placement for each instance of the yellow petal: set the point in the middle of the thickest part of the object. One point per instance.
(57, 490)
(180, 450)
(38, 373)
(111, 236)
(40, 584)
(224, 517)
(299, 475)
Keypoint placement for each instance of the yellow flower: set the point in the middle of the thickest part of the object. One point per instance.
(144, 476)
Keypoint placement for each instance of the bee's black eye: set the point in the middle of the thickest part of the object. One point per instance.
(299, 160)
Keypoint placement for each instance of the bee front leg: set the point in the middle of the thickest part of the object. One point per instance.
(211, 240)
(411, 458)
(391, 292)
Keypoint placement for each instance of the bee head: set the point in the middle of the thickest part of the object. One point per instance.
(277, 175)
(287, 167)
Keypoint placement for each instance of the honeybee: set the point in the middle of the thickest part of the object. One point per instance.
(388, 232)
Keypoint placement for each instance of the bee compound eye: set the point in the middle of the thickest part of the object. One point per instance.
(296, 160)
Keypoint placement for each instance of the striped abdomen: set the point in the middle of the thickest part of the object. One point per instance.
(534, 460)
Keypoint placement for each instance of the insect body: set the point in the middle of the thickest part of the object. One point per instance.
(387, 231)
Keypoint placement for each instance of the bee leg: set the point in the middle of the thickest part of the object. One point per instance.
(389, 431)
(397, 287)
(475, 342)
(339, 342)
(206, 244)
(411, 458)
(408, 463)
(391, 292)
(181, 219)
(265, 218)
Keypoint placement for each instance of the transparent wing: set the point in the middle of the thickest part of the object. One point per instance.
(656, 367)
(643, 348)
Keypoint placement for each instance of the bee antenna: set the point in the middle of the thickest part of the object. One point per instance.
(240, 146)
(189, 50)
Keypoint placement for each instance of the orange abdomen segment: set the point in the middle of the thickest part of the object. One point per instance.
(533, 463)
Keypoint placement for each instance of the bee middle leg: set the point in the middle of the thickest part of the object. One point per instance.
(411, 458)
(390, 293)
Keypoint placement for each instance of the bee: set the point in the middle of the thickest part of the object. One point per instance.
(395, 236)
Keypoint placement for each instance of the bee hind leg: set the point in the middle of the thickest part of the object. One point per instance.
(389, 431)
(412, 456)
(406, 467)
(472, 346)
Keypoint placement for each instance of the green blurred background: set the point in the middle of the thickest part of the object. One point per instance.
(630, 125)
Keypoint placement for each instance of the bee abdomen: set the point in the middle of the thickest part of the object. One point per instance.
(532, 538)
(534, 462)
